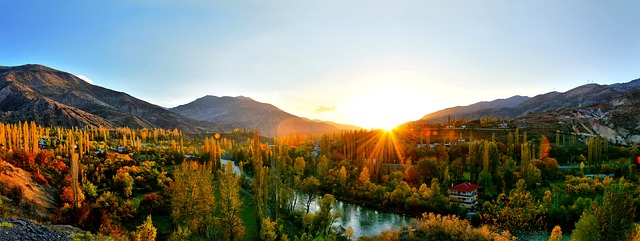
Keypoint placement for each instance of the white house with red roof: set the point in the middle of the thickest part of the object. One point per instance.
(464, 194)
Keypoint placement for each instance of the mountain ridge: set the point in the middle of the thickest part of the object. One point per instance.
(610, 111)
(67, 100)
(244, 112)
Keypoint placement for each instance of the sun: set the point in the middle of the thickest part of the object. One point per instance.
(380, 110)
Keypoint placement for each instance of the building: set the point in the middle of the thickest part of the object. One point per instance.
(464, 195)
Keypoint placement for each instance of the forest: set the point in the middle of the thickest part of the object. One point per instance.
(156, 184)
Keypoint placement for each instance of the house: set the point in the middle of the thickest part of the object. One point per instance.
(464, 195)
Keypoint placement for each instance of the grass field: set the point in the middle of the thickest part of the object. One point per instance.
(248, 215)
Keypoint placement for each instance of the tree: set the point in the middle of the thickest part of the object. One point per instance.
(320, 222)
(586, 229)
(556, 234)
(146, 231)
(74, 179)
(270, 231)
(123, 181)
(299, 166)
(342, 176)
(364, 175)
(310, 186)
(609, 218)
(192, 197)
(229, 205)
(517, 212)
(615, 213)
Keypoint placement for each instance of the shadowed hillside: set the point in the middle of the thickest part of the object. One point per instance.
(52, 97)
(244, 112)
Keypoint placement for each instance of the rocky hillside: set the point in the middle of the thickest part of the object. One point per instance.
(474, 111)
(243, 112)
(35, 198)
(610, 111)
(53, 97)
(28, 230)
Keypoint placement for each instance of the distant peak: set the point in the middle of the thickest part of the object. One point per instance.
(34, 67)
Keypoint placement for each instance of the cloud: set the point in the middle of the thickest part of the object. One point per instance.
(85, 78)
(324, 109)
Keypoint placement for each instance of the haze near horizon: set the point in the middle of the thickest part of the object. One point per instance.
(372, 64)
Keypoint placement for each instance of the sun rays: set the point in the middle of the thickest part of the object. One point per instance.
(374, 148)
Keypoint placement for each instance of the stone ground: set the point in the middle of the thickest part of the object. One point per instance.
(29, 231)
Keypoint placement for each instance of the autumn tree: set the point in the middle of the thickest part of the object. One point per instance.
(299, 166)
(229, 205)
(192, 197)
(146, 231)
(74, 178)
(271, 231)
(517, 212)
(556, 234)
(259, 184)
(123, 181)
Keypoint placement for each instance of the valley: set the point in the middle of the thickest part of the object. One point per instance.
(206, 171)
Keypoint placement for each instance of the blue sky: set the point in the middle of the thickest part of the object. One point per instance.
(371, 63)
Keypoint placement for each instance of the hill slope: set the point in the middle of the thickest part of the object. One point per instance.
(473, 110)
(53, 97)
(243, 112)
(610, 111)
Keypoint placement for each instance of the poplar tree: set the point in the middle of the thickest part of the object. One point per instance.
(192, 197)
(229, 205)
(74, 178)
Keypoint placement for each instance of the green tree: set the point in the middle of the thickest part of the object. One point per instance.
(320, 222)
(609, 218)
(586, 229)
(310, 186)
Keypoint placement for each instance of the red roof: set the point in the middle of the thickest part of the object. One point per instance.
(465, 186)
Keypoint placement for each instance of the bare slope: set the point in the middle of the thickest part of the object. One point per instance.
(53, 97)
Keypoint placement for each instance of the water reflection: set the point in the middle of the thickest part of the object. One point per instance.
(364, 221)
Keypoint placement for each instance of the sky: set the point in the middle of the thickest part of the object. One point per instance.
(370, 63)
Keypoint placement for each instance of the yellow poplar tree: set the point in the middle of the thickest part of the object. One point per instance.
(229, 205)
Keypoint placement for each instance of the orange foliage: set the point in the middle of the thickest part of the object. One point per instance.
(44, 157)
(151, 202)
(60, 166)
(39, 178)
(67, 195)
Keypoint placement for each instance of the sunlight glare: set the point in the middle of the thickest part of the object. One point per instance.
(382, 109)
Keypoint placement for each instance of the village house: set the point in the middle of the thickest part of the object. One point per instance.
(464, 194)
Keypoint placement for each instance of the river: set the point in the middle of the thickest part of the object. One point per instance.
(364, 221)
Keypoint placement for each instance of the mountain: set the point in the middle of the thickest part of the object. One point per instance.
(338, 125)
(472, 110)
(52, 97)
(243, 112)
(610, 111)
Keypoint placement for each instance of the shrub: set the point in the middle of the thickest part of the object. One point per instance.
(16, 193)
